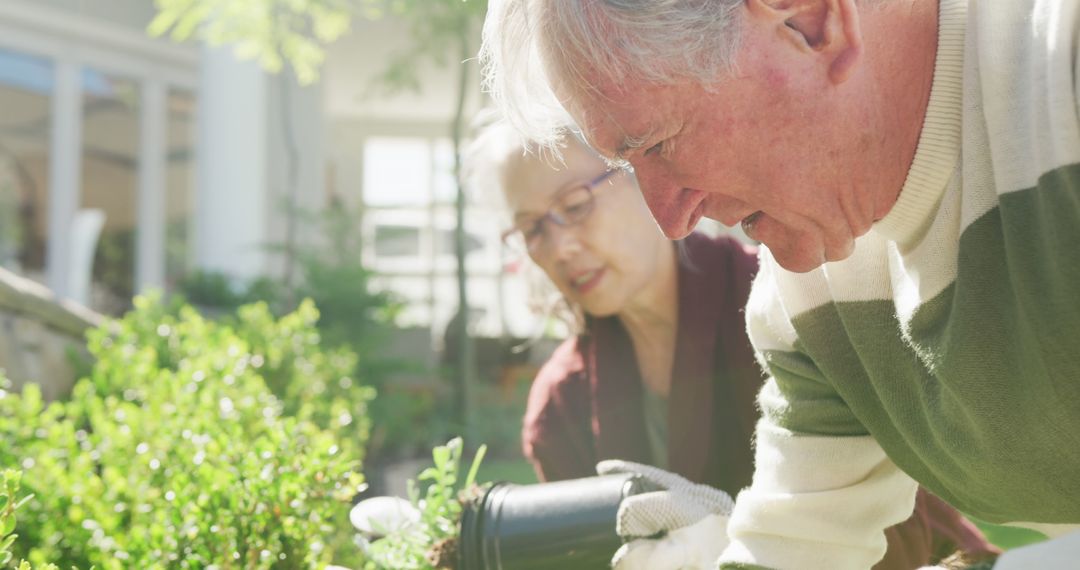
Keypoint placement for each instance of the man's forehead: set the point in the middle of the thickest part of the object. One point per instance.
(612, 114)
(611, 133)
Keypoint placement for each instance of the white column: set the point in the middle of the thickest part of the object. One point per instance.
(231, 202)
(65, 172)
(151, 220)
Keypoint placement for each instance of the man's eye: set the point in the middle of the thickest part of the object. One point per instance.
(654, 149)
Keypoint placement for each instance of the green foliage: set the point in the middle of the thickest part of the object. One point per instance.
(211, 289)
(354, 316)
(499, 426)
(423, 547)
(351, 316)
(333, 275)
(9, 502)
(442, 32)
(276, 32)
(215, 292)
(271, 31)
(113, 267)
(178, 451)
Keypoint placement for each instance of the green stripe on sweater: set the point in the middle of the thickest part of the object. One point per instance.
(982, 391)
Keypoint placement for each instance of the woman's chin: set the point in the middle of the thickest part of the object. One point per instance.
(599, 308)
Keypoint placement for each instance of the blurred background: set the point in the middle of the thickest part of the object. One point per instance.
(225, 153)
(229, 154)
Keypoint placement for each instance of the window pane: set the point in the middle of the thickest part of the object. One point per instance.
(26, 85)
(444, 184)
(397, 172)
(448, 238)
(397, 241)
(179, 201)
(483, 246)
(109, 182)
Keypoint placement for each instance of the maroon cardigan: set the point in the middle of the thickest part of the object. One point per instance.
(586, 403)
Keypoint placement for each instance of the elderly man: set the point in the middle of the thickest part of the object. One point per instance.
(913, 170)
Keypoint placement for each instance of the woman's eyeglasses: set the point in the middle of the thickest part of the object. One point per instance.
(569, 207)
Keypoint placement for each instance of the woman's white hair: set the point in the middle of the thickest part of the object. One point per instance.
(527, 43)
(493, 140)
(492, 146)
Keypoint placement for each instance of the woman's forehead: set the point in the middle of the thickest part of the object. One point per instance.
(531, 180)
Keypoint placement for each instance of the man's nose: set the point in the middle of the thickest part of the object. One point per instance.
(661, 195)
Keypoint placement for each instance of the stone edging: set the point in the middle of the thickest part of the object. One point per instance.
(22, 296)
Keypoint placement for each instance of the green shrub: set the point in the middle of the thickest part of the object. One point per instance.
(211, 289)
(10, 500)
(352, 315)
(193, 444)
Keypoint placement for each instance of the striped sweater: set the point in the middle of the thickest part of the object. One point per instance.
(946, 349)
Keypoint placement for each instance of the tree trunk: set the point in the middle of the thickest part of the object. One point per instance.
(466, 363)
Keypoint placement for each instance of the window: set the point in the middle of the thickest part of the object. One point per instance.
(448, 238)
(110, 182)
(180, 180)
(26, 86)
(410, 221)
(397, 241)
(72, 183)
(397, 172)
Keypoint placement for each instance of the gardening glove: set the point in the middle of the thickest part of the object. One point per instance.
(381, 516)
(681, 527)
(1060, 553)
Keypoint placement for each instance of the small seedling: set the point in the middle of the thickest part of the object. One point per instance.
(432, 543)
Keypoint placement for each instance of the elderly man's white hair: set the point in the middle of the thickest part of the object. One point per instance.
(526, 43)
(656, 41)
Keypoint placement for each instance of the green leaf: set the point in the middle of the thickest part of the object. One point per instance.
(7, 525)
(161, 24)
(441, 456)
(471, 478)
(23, 500)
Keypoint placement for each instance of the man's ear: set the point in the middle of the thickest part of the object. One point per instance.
(829, 27)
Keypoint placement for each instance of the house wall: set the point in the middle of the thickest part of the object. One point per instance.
(39, 334)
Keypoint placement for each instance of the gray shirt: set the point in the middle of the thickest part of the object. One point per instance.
(656, 426)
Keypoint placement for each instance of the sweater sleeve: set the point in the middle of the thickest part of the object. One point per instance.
(823, 489)
(556, 436)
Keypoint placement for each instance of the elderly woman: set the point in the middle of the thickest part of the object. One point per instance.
(661, 371)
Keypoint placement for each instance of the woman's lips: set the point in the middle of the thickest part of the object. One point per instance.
(587, 281)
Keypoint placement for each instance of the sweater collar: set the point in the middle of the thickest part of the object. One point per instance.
(939, 142)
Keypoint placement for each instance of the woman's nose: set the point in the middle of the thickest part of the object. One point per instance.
(563, 241)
